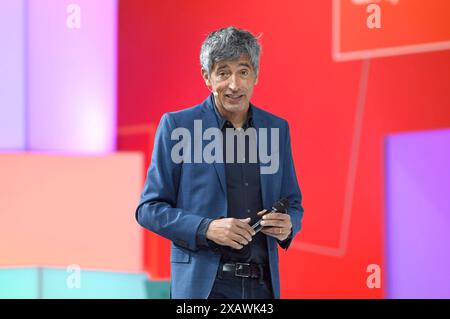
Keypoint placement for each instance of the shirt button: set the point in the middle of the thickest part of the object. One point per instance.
(246, 184)
(248, 210)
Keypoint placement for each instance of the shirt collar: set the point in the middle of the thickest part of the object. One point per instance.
(224, 122)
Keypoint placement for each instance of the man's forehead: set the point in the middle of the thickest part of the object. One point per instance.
(242, 61)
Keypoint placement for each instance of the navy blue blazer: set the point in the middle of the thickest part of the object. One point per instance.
(177, 196)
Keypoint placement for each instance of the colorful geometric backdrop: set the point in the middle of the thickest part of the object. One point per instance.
(83, 86)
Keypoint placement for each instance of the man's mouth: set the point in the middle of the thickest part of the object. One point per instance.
(234, 98)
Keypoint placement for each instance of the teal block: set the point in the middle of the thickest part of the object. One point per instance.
(158, 289)
(54, 283)
(94, 285)
(19, 283)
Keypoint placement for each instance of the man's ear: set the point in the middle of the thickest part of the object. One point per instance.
(256, 81)
(205, 77)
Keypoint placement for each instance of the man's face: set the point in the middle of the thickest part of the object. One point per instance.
(233, 80)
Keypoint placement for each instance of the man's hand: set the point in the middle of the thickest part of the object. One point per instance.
(232, 232)
(277, 225)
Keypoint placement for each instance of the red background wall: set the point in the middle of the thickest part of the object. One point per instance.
(338, 114)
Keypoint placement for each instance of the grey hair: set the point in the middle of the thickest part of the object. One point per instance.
(229, 44)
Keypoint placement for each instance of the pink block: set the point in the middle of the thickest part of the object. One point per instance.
(60, 210)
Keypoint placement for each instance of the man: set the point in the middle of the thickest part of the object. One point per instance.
(204, 193)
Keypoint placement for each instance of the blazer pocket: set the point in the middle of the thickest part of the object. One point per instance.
(178, 255)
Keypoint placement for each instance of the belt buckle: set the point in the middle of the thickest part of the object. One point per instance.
(242, 270)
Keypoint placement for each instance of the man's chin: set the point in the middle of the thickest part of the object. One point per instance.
(235, 107)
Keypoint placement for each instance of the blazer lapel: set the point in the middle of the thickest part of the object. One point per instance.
(210, 120)
(260, 122)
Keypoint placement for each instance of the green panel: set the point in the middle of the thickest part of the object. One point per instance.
(58, 283)
(158, 289)
(19, 283)
(93, 284)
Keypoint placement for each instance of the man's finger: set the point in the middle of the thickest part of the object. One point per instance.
(262, 212)
(246, 226)
(231, 243)
(275, 231)
(279, 216)
(274, 222)
(242, 240)
(240, 235)
(244, 234)
(270, 231)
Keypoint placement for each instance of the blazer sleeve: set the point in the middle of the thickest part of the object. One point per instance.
(291, 190)
(157, 210)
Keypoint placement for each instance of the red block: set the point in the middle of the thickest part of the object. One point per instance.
(156, 254)
(58, 210)
(339, 114)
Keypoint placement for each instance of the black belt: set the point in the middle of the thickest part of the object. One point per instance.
(246, 270)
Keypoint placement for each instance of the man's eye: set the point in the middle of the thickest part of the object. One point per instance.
(244, 72)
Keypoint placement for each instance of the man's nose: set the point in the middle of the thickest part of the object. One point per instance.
(233, 83)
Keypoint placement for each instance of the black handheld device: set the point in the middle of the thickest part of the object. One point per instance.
(280, 206)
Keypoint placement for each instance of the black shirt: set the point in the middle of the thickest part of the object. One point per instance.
(243, 193)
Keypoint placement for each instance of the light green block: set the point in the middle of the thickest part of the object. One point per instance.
(19, 283)
(57, 283)
(158, 289)
(52, 283)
